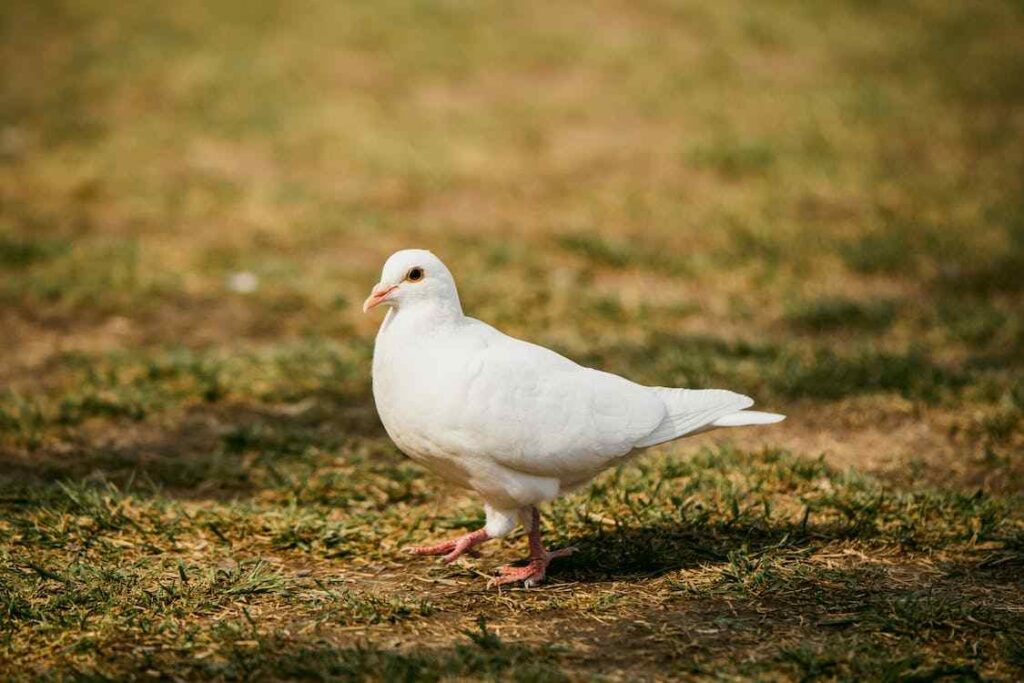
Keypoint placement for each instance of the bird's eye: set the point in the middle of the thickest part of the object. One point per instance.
(414, 275)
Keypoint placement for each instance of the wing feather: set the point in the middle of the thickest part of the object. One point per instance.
(557, 418)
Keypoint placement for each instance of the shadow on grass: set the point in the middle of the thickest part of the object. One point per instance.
(653, 550)
(745, 553)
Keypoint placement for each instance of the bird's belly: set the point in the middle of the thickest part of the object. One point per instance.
(442, 462)
(448, 453)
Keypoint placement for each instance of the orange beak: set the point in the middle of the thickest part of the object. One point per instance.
(378, 295)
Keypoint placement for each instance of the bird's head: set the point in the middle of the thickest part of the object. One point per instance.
(414, 277)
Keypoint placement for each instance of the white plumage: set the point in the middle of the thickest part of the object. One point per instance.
(515, 422)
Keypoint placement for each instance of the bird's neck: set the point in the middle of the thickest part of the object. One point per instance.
(422, 315)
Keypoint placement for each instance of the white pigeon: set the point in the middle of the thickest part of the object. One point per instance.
(515, 422)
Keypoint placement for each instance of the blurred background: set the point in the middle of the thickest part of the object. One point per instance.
(817, 204)
(795, 200)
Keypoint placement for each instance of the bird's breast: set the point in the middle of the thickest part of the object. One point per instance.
(418, 390)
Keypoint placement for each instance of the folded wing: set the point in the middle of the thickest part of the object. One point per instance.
(691, 410)
(548, 416)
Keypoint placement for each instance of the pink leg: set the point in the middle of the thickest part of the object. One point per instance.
(454, 548)
(533, 572)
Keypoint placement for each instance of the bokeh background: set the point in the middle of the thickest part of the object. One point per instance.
(818, 204)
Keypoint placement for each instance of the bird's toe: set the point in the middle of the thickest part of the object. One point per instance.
(438, 549)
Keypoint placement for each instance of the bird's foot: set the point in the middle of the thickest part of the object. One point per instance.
(454, 548)
(532, 573)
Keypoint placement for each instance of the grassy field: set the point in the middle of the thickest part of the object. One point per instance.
(818, 204)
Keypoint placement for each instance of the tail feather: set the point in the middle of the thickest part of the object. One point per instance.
(744, 418)
(690, 411)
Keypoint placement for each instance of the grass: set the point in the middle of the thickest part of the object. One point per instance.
(827, 314)
(817, 205)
